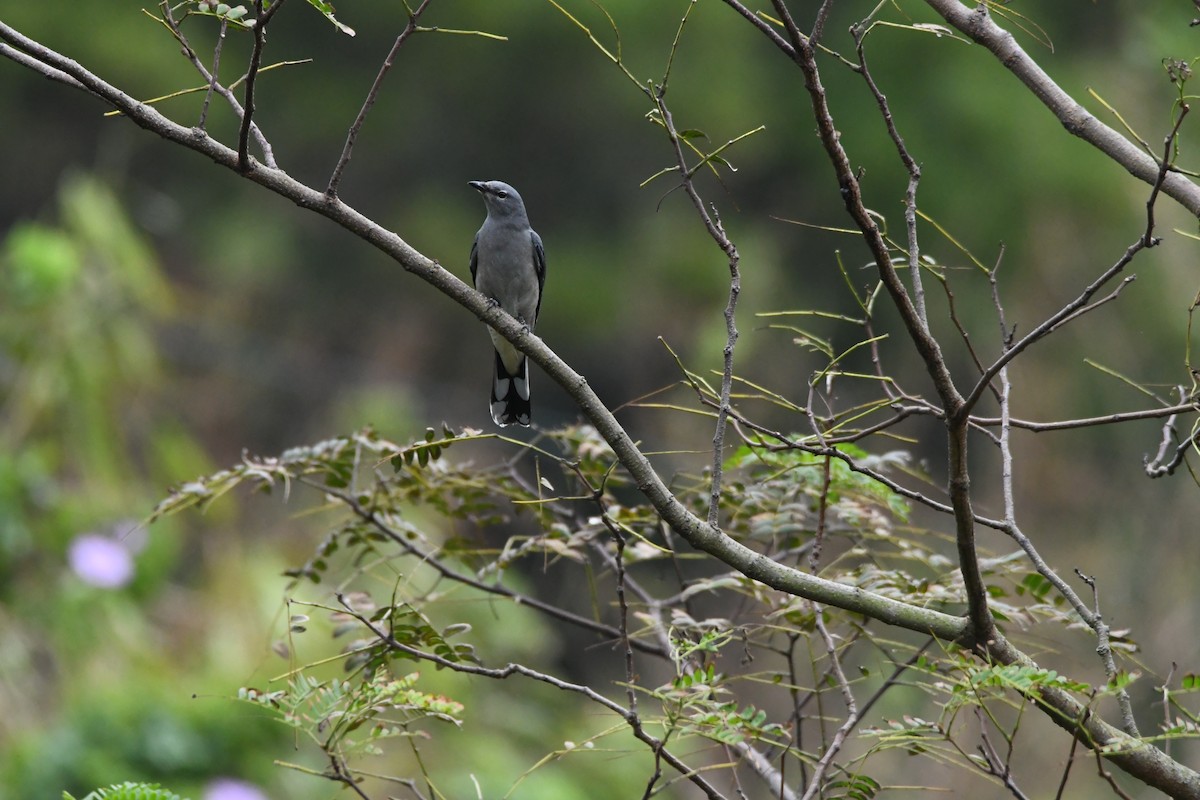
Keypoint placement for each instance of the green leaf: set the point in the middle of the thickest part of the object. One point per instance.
(1122, 679)
(327, 10)
(1036, 585)
(131, 791)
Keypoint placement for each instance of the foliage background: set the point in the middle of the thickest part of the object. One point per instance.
(158, 317)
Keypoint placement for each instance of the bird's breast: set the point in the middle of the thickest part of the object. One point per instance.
(505, 270)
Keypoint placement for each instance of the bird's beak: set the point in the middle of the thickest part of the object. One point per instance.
(478, 186)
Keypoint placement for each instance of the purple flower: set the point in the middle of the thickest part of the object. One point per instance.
(101, 561)
(230, 789)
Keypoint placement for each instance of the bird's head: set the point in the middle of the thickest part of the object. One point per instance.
(501, 199)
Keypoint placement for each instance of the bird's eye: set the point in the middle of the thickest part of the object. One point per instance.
(502, 194)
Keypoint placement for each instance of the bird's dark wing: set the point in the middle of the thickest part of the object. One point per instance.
(539, 266)
(474, 258)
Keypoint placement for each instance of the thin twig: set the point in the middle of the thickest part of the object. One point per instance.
(260, 40)
(1164, 167)
(340, 773)
(731, 334)
(216, 70)
(839, 737)
(910, 164)
(818, 28)
(1166, 706)
(1160, 465)
(336, 178)
(1104, 650)
(1094, 620)
(1086, 422)
(764, 27)
(1052, 322)
(622, 604)
(795, 35)
(955, 319)
(1108, 777)
(835, 665)
(997, 766)
(210, 79)
(716, 230)
(1062, 783)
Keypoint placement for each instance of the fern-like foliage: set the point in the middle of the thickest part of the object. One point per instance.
(129, 791)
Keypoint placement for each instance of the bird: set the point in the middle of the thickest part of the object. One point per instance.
(508, 266)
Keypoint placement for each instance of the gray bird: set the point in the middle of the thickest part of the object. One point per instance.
(508, 265)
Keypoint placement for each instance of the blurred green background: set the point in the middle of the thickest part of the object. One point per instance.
(159, 316)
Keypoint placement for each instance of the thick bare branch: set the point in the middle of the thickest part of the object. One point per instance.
(1140, 759)
(978, 24)
(43, 69)
(803, 55)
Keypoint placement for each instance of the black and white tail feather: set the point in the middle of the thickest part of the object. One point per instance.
(510, 394)
(508, 264)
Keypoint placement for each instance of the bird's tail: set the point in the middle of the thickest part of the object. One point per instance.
(510, 394)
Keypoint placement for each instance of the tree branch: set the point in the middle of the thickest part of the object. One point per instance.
(40, 67)
(210, 78)
(1140, 759)
(696, 531)
(914, 176)
(216, 69)
(977, 24)
(852, 716)
(1086, 422)
(712, 224)
(956, 418)
(260, 40)
(1082, 304)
